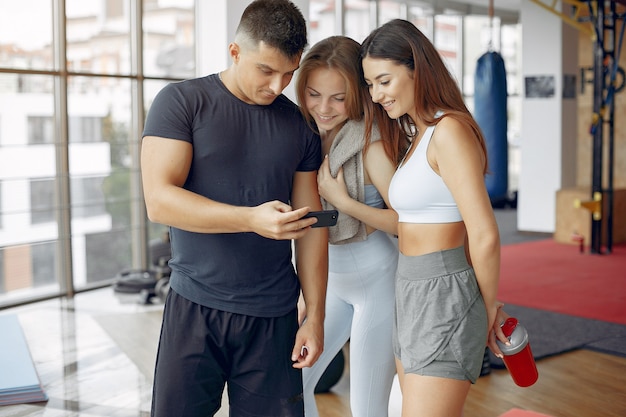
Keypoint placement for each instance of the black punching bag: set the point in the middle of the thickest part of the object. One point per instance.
(490, 111)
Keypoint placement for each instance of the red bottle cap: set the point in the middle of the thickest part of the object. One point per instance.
(509, 326)
(517, 335)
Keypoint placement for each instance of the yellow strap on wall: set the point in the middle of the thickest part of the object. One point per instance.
(584, 27)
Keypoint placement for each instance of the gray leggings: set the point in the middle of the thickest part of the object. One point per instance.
(441, 320)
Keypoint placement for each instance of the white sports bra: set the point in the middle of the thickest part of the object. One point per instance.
(417, 193)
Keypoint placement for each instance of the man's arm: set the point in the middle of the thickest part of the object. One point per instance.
(312, 266)
(165, 164)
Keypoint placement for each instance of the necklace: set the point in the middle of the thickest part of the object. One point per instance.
(413, 132)
(409, 128)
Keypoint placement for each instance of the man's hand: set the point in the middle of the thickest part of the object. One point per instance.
(309, 345)
(276, 220)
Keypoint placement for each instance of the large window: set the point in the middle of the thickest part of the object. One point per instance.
(71, 209)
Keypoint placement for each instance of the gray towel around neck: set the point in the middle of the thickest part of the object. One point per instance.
(346, 151)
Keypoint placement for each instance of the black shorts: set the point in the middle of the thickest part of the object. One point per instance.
(202, 349)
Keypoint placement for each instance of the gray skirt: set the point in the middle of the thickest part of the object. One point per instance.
(440, 321)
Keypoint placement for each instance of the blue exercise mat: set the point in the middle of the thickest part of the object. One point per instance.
(19, 381)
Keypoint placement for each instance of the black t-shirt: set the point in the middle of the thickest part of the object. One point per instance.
(243, 155)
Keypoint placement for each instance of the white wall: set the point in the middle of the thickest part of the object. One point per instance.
(548, 137)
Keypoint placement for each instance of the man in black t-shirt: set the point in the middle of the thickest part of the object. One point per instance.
(230, 165)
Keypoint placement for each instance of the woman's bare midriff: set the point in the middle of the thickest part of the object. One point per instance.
(419, 239)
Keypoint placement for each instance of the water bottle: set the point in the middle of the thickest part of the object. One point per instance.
(518, 358)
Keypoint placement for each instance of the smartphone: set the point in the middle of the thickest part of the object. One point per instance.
(325, 218)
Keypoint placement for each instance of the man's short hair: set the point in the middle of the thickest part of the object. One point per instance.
(277, 23)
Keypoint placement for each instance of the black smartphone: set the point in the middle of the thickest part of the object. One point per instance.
(325, 218)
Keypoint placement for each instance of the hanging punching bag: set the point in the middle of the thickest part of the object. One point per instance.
(490, 111)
